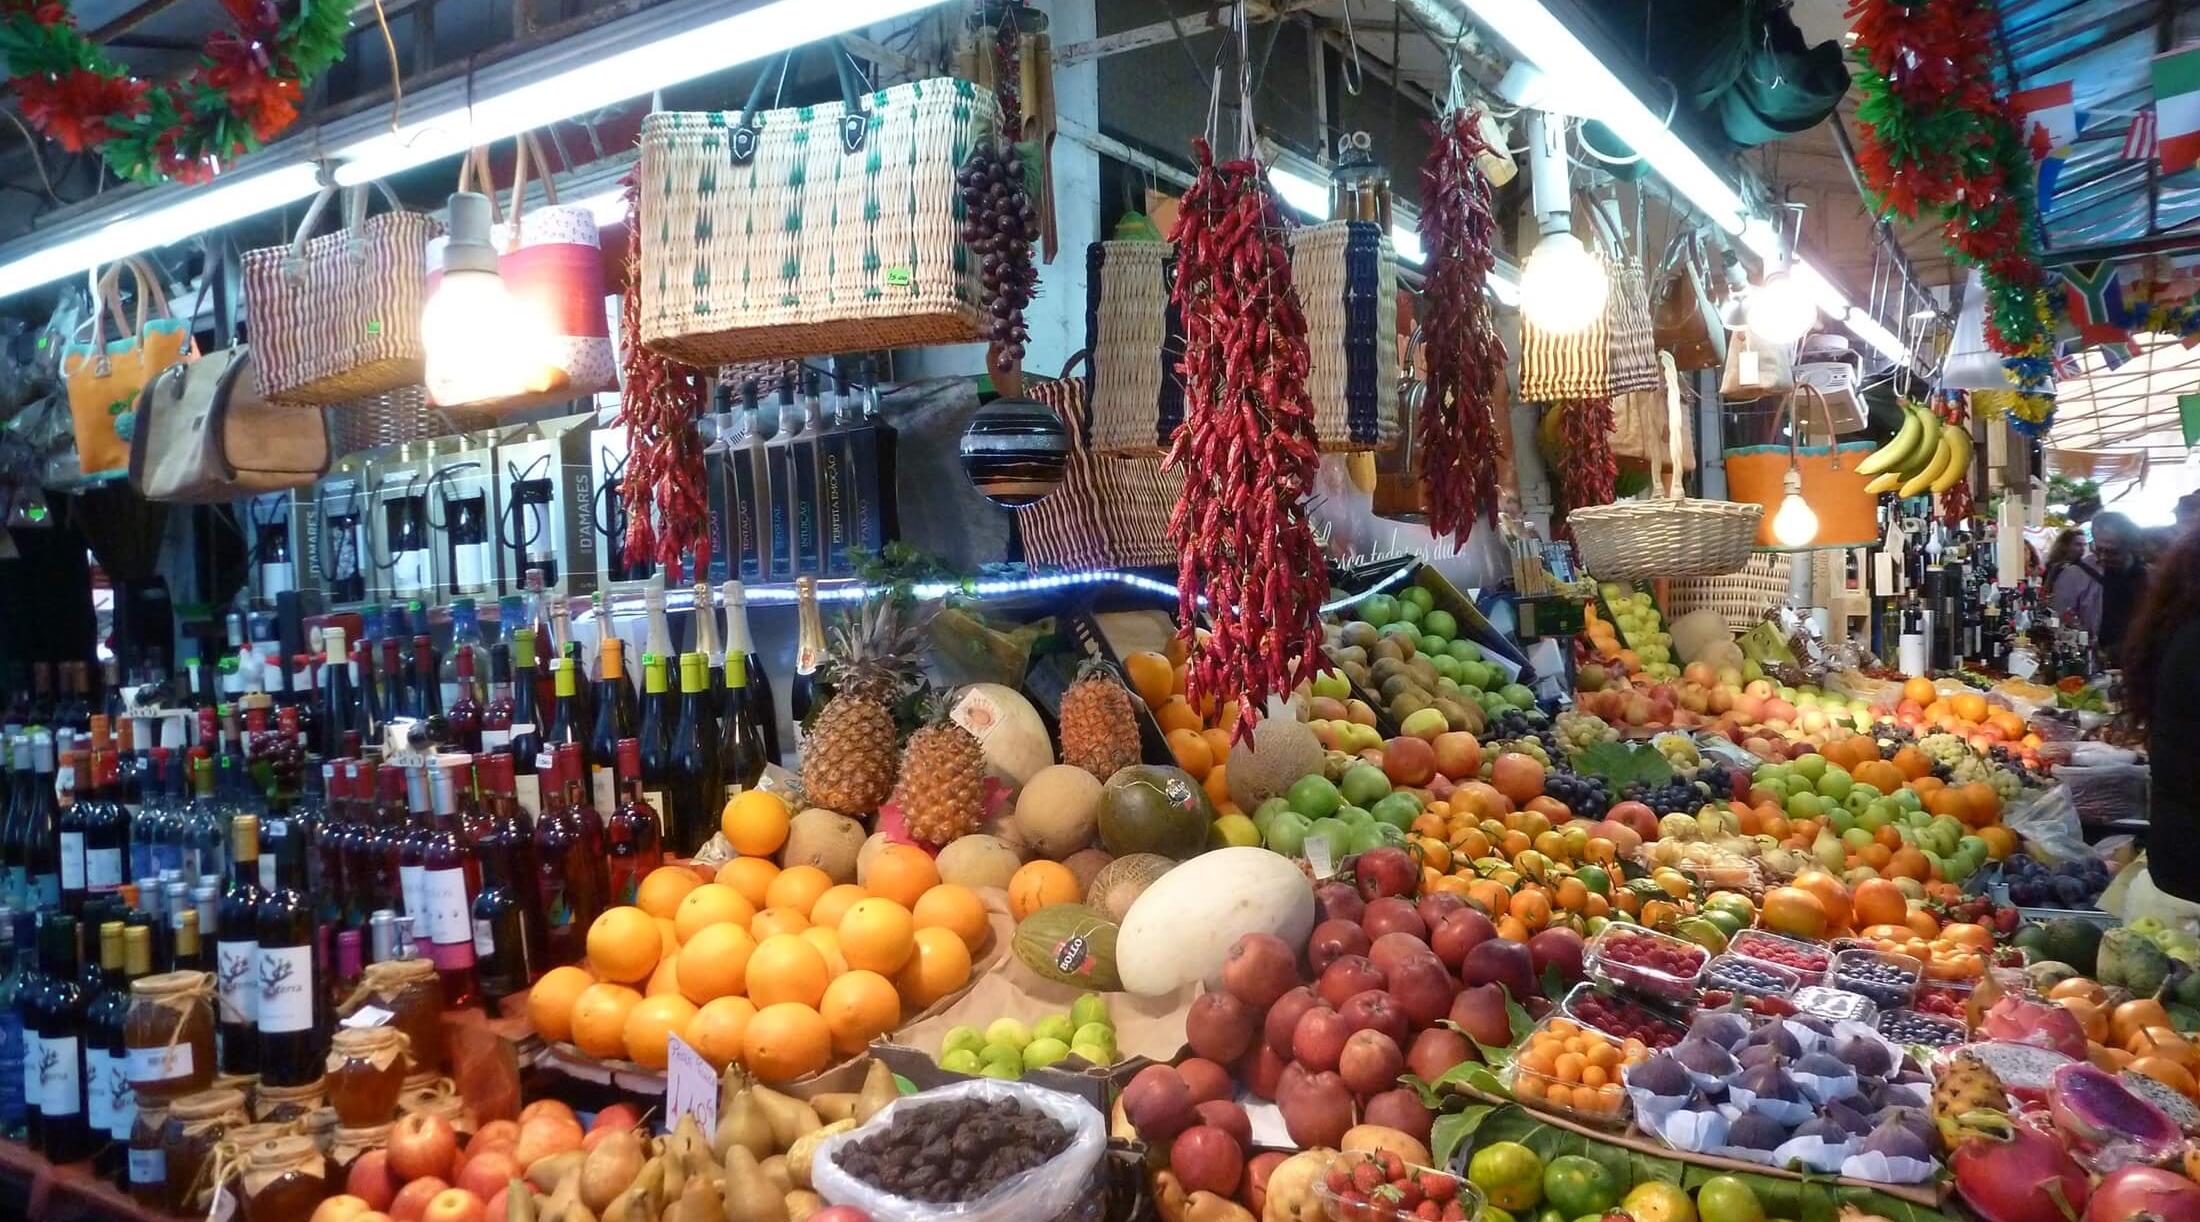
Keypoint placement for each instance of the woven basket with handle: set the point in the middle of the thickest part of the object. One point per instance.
(1741, 598)
(1670, 534)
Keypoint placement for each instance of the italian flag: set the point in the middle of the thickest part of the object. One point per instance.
(2177, 108)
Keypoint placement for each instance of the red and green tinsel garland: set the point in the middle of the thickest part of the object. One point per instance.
(245, 88)
(1936, 141)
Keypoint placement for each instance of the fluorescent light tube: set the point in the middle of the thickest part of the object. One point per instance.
(1867, 328)
(1301, 192)
(1828, 299)
(760, 31)
(155, 224)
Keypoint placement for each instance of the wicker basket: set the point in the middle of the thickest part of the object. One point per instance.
(1741, 598)
(1670, 534)
(805, 247)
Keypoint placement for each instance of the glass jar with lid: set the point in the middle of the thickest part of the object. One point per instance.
(366, 1072)
(286, 1104)
(441, 1098)
(411, 992)
(168, 1034)
(348, 1144)
(320, 1125)
(283, 1179)
(148, 1168)
(196, 1124)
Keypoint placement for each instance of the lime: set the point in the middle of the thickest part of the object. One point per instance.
(1657, 1201)
(1510, 1175)
(962, 1061)
(1596, 879)
(1548, 1214)
(1491, 1213)
(1054, 1027)
(962, 1039)
(1314, 796)
(1726, 1198)
(1575, 1185)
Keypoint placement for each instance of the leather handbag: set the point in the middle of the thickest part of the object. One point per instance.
(1681, 311)
(205, 434)
(105, 375)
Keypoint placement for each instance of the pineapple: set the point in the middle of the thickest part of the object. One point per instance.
(1967, 1100)
(851, 759)
(1099, 730)
(942, 788)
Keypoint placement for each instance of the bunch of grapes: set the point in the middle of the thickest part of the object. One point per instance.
(281, 757)
(1587, 796)
(1000, 223)
(1532, 747)
(1677, 797)
(1580, 731)
(1679, 750)
(1722, 781)
(1516, 723)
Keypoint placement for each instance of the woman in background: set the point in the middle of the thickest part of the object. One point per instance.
(2161, 679)
(2073, 585)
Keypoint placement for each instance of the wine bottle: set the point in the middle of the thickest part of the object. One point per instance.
(500, 934)
(569, 877)
(64, 1127)
(496, 716)
(30, 1000)
(17, 937)
(43, 830)
(835, 485)
(615, 719)
(634, 831)
(809, 654)
(450, 878)
(427, 694)
(763, 709)
(741, 756)
(76, 778)
(237, 952)
(749, 521)
(463, 715)
(466, 644)
(706, 643)
(784, 563)
(338, 701)
(568, 721)
(137, 962)
(694, 786)
(15, 834)
(292, 1033)
(106, 825)
(659, 714)
(525, 729)
(412, 850)
(106, 1058)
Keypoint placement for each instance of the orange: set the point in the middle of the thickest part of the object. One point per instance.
(1970, 706)
(1176, 650)
(1977, 937)
(668, 936)
(1984, 804)
(550, 1003)
(623, 945)
(835, 904)
(599, 1019)
(1796, 912)
(940, 966)
(1879, 902)
(1532, 907)
(786, 1041)
(2010, 725)
(717, 1028)
(1926, 786)
(1192, 753)
(716, 963)
(751, 876)
(1037, 884)
(1948, 802)
(786, 968)
(2000, 841)
(1151, 676)
(954, 907)
(877, 935)
(710, 904)
(1217, 784)
(859, 1007)
(2134, 1017)
(827, 942)
(1177, 713)
(902, 873)
(1831, 892)
(666, 979)
(778, 920)
(664, 888)
(755, 822)
(1883, 775)
(650, 1025)
(1912, 763)
(1218, 743)
(1922, 923)
(1908, 862)
(1919, 690)
(797, 887)
(1489, 895)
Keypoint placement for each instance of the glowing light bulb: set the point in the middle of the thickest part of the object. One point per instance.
(1562, 289)
(481, 343)
(1796, 524)
(1781, 310)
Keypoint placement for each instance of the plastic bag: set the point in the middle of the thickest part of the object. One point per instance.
(1044, 1193)
(2107, 791)
(2049, 821)
(2132, 895)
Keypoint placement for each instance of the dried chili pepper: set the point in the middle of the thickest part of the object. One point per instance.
(1246, 448)
(661, 407)
(1587, 472)
(1457, 425)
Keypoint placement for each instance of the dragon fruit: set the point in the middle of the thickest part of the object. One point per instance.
(2014, 1020)
(2022, 1068)
(2111, 1126)
(2020, 1175)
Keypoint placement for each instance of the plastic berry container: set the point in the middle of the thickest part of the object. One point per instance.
(1620, 1016)
(1752, 977)
(1918, 1027)
(1834, 1005)
(1571, 1069)
(1656, 965)
(1340, 1209)
(1888, 980)
(1809, 962)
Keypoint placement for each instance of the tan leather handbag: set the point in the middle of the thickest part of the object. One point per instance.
(204, 434)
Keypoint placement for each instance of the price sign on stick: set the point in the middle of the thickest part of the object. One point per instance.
(691, 1087)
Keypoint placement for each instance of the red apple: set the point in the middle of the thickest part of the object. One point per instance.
(1317, 1109)
(1459, 933)
(1318, 1040)
(411, 1203)
(1257, 1171)
(617, 1116)
(1437, 905)
(1283, 1017)
(1387, 870)
(1400, 1109)
(1333, 940)
(341, 1208)
(1260, 968)
(1230, 1118)
(1220, 1027)
(1458, 754)
(1370, 1062)
(1349, 977)
(1391, 915)
(1261, 1069)
(1339, 902)
(370, 1180)
(1207, 1159)
(1376, 1009)
(1158, 1103)
(1409, 761)
(1480, 1011)
(422, 1146)
(1559, 948)
(1498, 961)
(1423, 987)
(487, 1173)
(454, 1205)
(1437, 1051)
(1205, 1080)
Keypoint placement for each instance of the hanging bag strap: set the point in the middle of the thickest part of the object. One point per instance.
(855, 122)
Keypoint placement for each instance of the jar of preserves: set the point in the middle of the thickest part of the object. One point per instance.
(284, 1179)
(412, 994)
(196, 1124)
(441, 1098)
(286, 1104)
(347, 1145)
(320, 1125)
(148, 1169)
(243, 1083)
(168, 1034)
(366, 1071)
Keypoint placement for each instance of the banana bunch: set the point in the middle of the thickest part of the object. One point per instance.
(1925, 456)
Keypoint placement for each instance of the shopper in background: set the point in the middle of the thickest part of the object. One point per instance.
(2161, 671)
(2117, 555)
(2073, 585)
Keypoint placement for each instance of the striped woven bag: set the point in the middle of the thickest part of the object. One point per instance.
(1108, 512)
(337, 318)
(1560, 368)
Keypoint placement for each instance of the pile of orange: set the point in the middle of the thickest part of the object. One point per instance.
(2134, 1035)
(1539, 885)
(1198, 738)
(778, 969)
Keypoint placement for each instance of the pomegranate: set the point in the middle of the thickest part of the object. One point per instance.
(2008, 1179)
(2144, 1194)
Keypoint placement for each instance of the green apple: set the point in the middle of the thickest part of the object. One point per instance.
(1266, 813)
(1368, 836)
(1333, 684)
(1856, 838)
(1353, 816)
(1431, 643)
(1476, 673)
(1314, 796)
(1812, 766)
(1003, 1054)
(1287, 831)
(1424, 723)
(1907, 798)
(1377, 609)
(1334, 830)
(1465, 651)
(1089, 1008)
(1008, 1031)
(1839, 818)
(961, 1039)
(1410, 612)
(1518, 696)
(1398, 810)
(1805, 805)
(962, 1061)
(1777, 787)
(1057, 1027)
(1857, 800)
(1363, 785)
(1877, 814)
(1365, 737)
(1836, 784)
(1441, 623)
(1421, 597)
(1001, 1070)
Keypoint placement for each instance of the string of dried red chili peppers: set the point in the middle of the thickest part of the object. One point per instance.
(666, 515)
(1956, 503)
(1587, 472)
(1458, 424)
(1247, 447)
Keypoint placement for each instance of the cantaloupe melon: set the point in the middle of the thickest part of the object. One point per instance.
(978, 861)
(1280, 750)
(1008, 730)
(825, 839)
(1118, 886)
(1058, 811)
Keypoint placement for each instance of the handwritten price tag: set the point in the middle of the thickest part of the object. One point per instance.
(691, 1089)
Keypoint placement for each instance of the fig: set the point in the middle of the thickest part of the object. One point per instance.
(1662, 1076)
(1776, 1036)
(1754, 1132)
(1913, 1120)
(1823, 1065)
(1853, 1122)
(1721, 1027)
(1701, 1056)
(1760, 1054)
(1869, 1057)
(1770, 1082)
(1894, 1139)
(1824, 1128)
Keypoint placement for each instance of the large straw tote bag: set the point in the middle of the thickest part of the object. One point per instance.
(832, 228)
(1346, 276)
(1848, 516)
(1670, 534)
(337, 317)
(1109, 512)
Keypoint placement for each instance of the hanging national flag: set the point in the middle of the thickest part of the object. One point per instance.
(2140, 143)
(2050, 173)
(2188, 416)
(2049, 109)
(2177, 108)
(2099, 305)
(2115, 356)
(2067, 366)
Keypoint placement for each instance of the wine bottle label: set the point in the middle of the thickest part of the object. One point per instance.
(495, 740)
(121, 1100)
(148, 1166)
(450, 919)
(161, 1063)
(99, 1102)
(778, 496)
(603, 785)
(286, 989)
(239, 992)
(11, 1064)
(749, 542)
(72, 861)
(102, 869)
(34, 1089)
(557, 912)
(528, 788)
(809, 540)
(412, 885)
(485, 938)
(60, 1076)
(46, 888)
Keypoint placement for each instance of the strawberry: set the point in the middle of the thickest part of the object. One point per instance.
(1454, 1211)
(1430, 1211)
(1368, 1176)
(1438, 1187)
(1340, 1177)
(1409, 1194)
(1394, 1167)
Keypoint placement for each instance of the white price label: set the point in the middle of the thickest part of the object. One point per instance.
(368, 1016)
(691, 1088)
(165, 1064)
(1317, 855)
